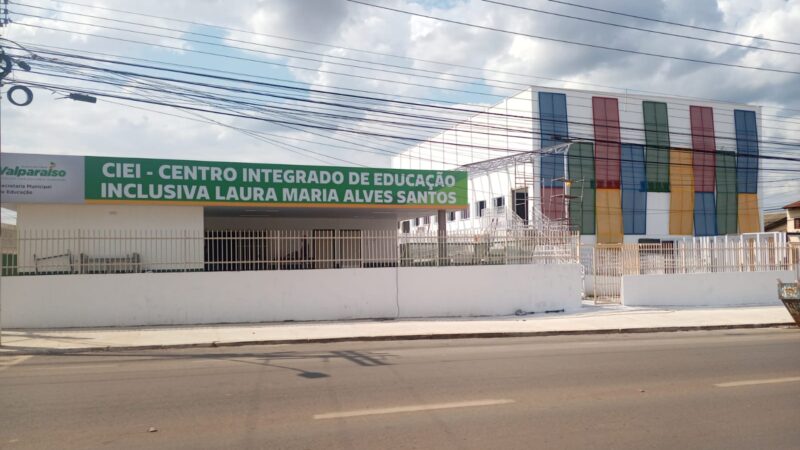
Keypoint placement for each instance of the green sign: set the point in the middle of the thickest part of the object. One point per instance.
(116, 180)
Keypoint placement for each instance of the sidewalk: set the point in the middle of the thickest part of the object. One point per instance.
(591, 319)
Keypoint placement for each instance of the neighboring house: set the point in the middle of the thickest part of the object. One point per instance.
(793, 221)
(775, 222)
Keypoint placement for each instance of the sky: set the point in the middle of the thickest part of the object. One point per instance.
(333, 35)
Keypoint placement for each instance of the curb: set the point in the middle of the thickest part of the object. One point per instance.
(408, 337)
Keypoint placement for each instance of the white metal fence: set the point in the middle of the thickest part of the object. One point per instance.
(607, 263)
(104, 251)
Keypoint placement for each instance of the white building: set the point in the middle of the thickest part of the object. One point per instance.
(638, 167)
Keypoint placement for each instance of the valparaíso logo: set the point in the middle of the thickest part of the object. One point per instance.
(43, 171)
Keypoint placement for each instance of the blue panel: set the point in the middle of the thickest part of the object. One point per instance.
(705, 214)
(554, 130)
(552, 168)
(634, 211)
(553, 118)
(634, 189)
(746, 152)
(632, 165)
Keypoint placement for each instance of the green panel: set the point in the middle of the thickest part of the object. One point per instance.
(656, 131)
(727, 205)
(580, 169)
(112, 180)
(726, 172)
(727, 213)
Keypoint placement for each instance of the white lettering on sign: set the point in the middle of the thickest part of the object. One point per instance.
(122, 170)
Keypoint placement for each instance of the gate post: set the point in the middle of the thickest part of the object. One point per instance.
(441, 236)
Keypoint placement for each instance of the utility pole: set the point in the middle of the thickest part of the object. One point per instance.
(4, 20)
(5, 70)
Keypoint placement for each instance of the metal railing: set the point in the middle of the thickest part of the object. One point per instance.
(32, 252)
(609, 262)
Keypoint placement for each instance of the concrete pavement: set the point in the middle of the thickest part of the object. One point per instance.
(591, 319)
(733, 389)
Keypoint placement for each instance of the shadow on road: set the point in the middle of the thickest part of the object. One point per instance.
(280, 360)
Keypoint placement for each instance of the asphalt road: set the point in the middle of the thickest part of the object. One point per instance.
(709, 390)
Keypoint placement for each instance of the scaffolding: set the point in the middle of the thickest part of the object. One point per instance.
(522, 170)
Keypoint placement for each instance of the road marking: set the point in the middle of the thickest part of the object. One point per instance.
(412, 408)
(764, 381)
(6, 363)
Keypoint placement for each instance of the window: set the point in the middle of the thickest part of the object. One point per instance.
(465, 213)
(480, 208)
(426, 220)
(406, 226)
(433, 219)
(417, 222)
(451, 216)
(797, 224)
(499, 202)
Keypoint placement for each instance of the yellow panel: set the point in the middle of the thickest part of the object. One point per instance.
(681, 172)
(681, 211)
(609, 216)
(748, 213)
(681, 186)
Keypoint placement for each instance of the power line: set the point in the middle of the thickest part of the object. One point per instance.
(696, 27)
(646, 30)
(286, 65)
(473, 190)
(273, 85)
(584, 44)
(504, 149)
(354, 99)
(251, 132)
(331, 128)
(273, 36)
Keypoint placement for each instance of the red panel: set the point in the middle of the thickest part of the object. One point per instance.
(704, 146)
(605, 113)
(553, 202)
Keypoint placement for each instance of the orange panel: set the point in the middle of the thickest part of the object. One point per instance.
(748, 213)
(681, 199)
(681, 211)
(681, 171)
(609, 216)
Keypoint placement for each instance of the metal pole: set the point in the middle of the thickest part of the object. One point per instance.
(441, 235)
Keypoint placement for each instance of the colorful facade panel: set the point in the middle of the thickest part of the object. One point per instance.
(580, 165)
(634, 189)
(609, 216)
(553, 203)
(749, 221)
(727, 213)
(656, 132)
(727, 203)
(746, 151)
(681, 180)
(605, 117)
(704, 146)
(554, 130)
(705, 214)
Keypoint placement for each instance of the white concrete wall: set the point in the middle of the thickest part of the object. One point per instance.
(126, 223)
(196, 297)
(488, 290)
(703, 289)
(229, 297)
